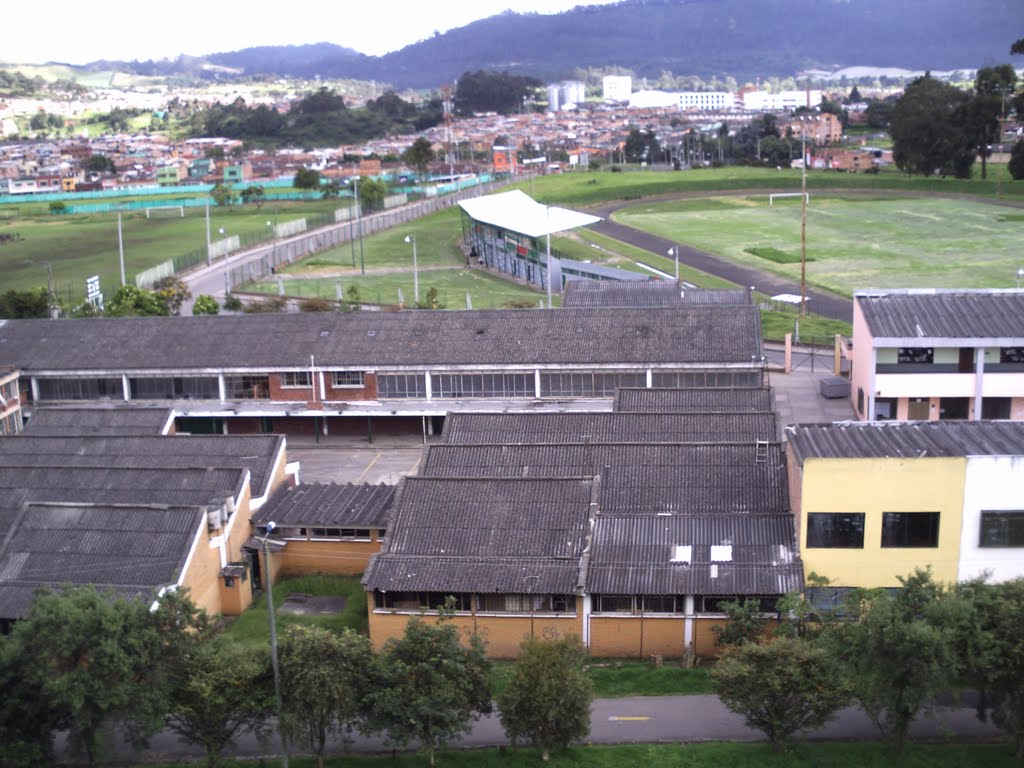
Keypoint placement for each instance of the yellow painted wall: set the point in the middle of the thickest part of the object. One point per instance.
(343, 558)
(874, 486)
(203, 576)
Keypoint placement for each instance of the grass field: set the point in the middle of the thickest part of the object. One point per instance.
(703, 755)
(83, 245)
(852, 242)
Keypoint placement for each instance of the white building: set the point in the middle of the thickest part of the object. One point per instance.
(617, 88)
(653, 100)
(706, 100)
(992, 535)
(763, 101)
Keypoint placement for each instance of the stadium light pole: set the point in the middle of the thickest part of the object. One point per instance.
(359, 226)
(120, 246)
(209, 256)
(547, 227)
(415, 270)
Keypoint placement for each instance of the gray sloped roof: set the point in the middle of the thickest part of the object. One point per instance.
(634, 555)
(257, 453)
(695, 400)
(61, 422)
(482, 533)
(369, 339)
(332, 504)
(942, 314)
(914, 439)
(637, 479)
(132, 550)
(647, 293)
(606, 427)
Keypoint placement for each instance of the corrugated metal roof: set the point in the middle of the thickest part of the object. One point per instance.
(637, 479)
(16, 597)
(914, 439)
(483, 428)
(257, 453)
(643, 579)
(349, 505)
(518, 212)
(61, 422)
(648, 293)
(127, 548)
(369, 339)
(938, 314)
(479, 534)
(695, 400)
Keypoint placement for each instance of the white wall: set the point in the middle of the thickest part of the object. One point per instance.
(992, 483)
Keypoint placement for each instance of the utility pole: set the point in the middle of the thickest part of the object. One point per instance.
(803, 217)
(273, 641)
(120, 246)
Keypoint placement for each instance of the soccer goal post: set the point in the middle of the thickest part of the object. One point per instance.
(165, 211)
(771, 197)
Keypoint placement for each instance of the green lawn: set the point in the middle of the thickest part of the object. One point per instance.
(252, 628)
(852, 243)
(79, 246)
(700, 755)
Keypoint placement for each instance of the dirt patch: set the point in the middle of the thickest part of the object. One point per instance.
(313, 605)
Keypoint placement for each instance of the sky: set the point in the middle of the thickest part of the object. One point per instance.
(77, 32)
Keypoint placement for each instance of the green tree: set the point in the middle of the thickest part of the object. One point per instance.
(222, 194)
(371, 194)
(419, 155)
(993, 649)
(744, 624)
(501, 92)
(205, 305)
(99, 164)
(641, 146)
(980, 114)
(27, 720)
(547, 700)
(254, 193)
(428, 687)
(324, 679)
(306, 178)
(38, 121)
(899, 654)
(95, 659)
(781, 687)
(33, 302)
(222, 691)
(172, 292)
(57, 207)
(1016, 164)
(928, 130)
(129, 301)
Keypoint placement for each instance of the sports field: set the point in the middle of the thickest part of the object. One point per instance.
(852, 242)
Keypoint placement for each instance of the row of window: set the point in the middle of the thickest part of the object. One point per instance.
(845, 530)
(330, 533)
(303, 379)
(949, 408)
(515, 603)
(926, 355)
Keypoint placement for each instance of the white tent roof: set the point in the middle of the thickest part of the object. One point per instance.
(518, 212)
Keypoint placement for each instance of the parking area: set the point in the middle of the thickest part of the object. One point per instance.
(353, 461)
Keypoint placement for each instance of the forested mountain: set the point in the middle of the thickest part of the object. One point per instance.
(707, 38)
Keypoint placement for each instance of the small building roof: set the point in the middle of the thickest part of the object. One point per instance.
(349, 505)
(909, 439)
(518, 212)
(931, 314)
(124, 420)
(486, 535)
(131, 550)
(694, 400)
(608, 427)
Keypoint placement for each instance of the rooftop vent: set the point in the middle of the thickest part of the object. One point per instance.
(721, 553)
(683, 554)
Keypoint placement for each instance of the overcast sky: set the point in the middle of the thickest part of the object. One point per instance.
(77, 32)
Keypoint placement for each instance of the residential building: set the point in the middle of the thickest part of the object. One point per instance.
(875, 501)
(931, 354)
(616, 88)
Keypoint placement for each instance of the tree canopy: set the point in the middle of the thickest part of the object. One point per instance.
(499, 92)
(927, 129)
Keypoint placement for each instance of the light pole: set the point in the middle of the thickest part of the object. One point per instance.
(547, 220)
(273, 640)
(1020, 276)
(209, 253)
(803, 217)
(674, 251)
(120, 246)
(359, 224)
(415, 270)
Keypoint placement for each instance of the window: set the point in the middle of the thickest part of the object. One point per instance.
(296, 380)
(995, 408)
(954, 408)
(885, 408)
(613, 603)
(414, 601)
(1002, 528)
(169, 388)
(347, 379)
(81, 389)
(860, 399)
(910, 529)
(355, 533)
(400, 386)
(246, 387)
(482, 385)
(915, 355)
(713, 603)
(835, 530)
(687, 379)
(1011, 355)
(502, 603)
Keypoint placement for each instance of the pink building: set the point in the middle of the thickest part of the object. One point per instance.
(930, 354)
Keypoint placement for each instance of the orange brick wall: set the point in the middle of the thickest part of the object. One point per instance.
(503, 634)
(344, 558)
(367, 392)
(636, 636)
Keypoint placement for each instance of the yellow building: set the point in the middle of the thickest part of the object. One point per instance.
(874, 501)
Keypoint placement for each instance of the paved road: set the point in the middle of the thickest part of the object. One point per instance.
(643, 719)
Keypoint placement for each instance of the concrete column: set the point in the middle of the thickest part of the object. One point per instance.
(536, 384)
(979, 381)
(788, 364)
(688, 625)
(870, 394)
(429, 388)
(125, 388)
(34, 386)
(650, 378)
(222, 387)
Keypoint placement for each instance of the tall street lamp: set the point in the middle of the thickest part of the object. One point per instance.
(271, 525)
(1020, 276)
(803, 217)
(415, 270)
